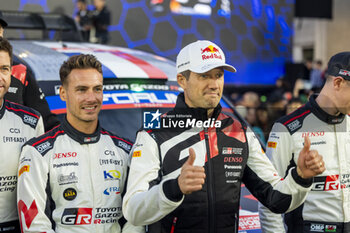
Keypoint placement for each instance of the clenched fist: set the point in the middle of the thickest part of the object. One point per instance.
(310, 163)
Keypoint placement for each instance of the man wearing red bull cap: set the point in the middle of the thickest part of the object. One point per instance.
(186, 174)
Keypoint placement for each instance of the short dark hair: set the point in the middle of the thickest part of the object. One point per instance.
(6, 47)
(82, 61)
(186, 74)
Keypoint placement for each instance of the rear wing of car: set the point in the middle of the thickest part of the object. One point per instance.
(64, 26)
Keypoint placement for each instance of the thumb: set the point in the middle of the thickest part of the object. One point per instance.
(191, 157)
(307, 144)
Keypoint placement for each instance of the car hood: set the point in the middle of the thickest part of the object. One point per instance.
(45, 59)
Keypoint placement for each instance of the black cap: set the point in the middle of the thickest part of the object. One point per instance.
(339, 65)
(2, 21)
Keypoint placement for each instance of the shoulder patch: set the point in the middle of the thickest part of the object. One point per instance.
(295, 120)
(28, 115)
(120, 142)
(45, 142)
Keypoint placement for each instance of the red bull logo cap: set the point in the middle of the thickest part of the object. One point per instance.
(200, 57)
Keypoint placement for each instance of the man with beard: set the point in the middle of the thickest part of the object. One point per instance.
(187, 178)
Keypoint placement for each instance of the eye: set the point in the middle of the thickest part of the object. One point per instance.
(98, 89)
(5, 69)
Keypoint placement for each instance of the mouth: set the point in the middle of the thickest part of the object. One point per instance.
(89, 108)
(212, 94)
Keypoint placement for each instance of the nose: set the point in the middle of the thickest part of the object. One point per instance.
(214, 83)
(90, 96)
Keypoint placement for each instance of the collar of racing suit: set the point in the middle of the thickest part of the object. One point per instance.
(80, 137)
(197, 113)
(321, 114)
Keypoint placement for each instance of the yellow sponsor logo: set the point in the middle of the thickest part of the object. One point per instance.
(136, 153)
(25, 168)
(272, 144)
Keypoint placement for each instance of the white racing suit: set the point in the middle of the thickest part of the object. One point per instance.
(327, 206)
(73, 182)
(18, 124)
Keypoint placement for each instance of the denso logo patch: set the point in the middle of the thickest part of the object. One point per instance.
(313, 134)
(65, 155)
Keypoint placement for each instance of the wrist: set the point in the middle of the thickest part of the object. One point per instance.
(300, 173)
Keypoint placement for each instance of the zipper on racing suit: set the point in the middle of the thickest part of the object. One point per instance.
(210, 186)
(173, 226)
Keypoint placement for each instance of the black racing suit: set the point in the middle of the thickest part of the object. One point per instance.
(230, 154)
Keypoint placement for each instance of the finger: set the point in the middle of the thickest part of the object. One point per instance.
(194, 182)
(193, 188)
(193, 174)
(191, 157)
(316, 160)
(307, 144)
(312, 154)
(315, 165)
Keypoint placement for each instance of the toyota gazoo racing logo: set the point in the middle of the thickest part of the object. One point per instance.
(210, 52)
(77, 216)
(326, 183)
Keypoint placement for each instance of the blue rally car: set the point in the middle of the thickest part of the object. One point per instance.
(134, 82)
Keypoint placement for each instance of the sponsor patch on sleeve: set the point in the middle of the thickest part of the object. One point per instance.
(136, 153)
(25, 168)
(272, 144)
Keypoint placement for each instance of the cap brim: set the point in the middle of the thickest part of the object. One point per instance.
(206, 68)
(3, 23)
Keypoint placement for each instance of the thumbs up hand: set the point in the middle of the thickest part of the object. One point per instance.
(310, 163)
(192, 177)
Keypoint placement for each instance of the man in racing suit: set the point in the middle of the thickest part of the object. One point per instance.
(71, 179)
(25, 90)
(187, 178)
(325, 120)
(17, 125)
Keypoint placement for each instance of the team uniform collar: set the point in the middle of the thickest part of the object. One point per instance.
(321, 114)
(80, 137)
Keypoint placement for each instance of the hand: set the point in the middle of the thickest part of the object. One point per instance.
(192, 177)
(310, 163)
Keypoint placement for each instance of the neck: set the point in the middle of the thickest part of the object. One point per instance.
(86, 127)
(210, 112)
(325, 101)
(2, 103)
